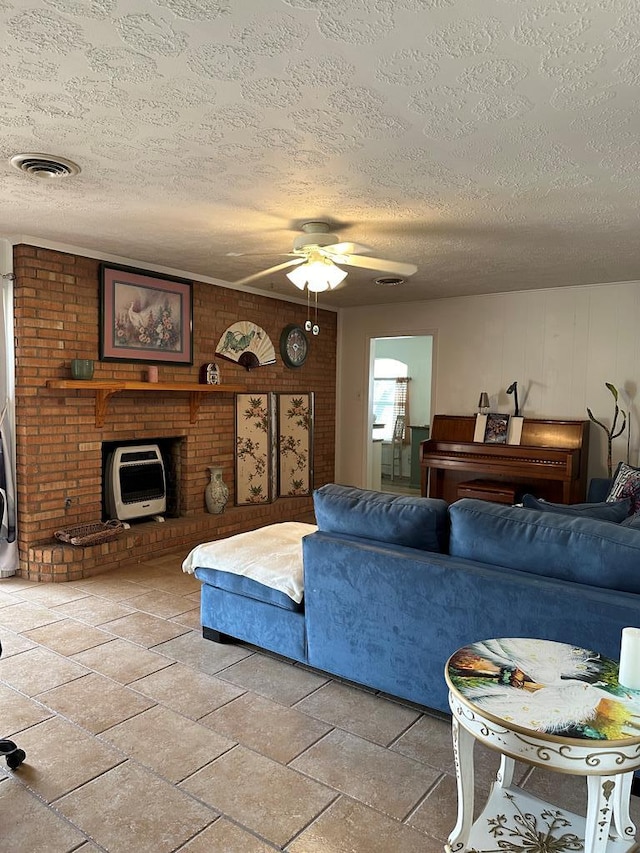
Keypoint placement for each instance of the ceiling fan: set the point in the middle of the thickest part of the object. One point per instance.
(316, 252)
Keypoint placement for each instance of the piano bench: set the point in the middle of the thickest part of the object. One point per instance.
(491, 490)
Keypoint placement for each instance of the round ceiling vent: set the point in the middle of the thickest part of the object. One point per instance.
(44, 166)
(389, 281)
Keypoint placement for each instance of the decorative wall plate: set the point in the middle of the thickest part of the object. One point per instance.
(246, 344)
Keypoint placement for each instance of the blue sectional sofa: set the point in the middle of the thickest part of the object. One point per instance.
(394, 585)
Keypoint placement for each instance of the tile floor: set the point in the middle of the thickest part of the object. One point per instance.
(141, 736)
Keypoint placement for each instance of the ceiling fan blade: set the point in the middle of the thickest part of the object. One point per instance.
(378, 264)
(256, 275)
(253, 254)
(346, 249)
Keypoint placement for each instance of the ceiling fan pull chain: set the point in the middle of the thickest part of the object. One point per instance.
(316, 327)
(307, 325)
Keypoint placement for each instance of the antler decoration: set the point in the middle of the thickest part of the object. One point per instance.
(513, 389)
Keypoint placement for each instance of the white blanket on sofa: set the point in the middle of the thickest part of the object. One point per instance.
(270, 555)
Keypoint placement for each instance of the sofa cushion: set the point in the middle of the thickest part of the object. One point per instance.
(583, 550)
(270, 555)
(399, 520)
(633, 521)
(242, 585)
(626, 484)
(615, 511)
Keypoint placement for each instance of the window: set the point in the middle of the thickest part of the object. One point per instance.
(389, 395)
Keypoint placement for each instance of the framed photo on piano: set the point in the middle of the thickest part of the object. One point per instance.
(498, 428)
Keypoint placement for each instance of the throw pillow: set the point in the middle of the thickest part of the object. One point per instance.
(626, 484)
(615, 511)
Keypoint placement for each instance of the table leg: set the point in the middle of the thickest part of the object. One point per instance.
(601, 799)
(463, 744)
(624, 826)
(506, 770)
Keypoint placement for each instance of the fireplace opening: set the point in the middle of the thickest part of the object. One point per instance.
(140, 479)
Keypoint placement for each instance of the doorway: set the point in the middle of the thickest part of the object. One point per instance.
(400, 378)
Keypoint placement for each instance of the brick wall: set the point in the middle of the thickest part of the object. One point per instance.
(59, 446)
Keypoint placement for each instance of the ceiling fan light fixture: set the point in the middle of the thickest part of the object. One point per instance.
(317, 275)
(320, 256)
(298, 277)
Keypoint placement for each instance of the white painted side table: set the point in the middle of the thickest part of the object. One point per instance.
(550, 705)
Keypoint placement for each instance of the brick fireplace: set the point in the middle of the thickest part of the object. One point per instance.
(59, 444)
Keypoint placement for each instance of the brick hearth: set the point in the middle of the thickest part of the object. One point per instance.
(58, 444)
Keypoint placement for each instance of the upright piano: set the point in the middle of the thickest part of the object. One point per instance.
(550, 461)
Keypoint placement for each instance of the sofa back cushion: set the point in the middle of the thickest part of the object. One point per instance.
(614, 511)
(599, 488)
(583, 550)
(399, 520)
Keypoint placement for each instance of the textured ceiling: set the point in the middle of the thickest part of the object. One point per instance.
(494, 144)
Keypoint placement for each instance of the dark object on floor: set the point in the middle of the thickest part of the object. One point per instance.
(8, 748)
(13, 754)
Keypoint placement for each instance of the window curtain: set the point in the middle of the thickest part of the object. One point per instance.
(8, 532)
(401, 404)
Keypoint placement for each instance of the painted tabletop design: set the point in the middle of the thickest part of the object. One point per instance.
(543, 686)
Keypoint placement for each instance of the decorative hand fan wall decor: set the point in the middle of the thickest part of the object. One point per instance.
(246, 344)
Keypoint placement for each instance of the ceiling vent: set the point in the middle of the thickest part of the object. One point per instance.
(44, 166)
(389, 281)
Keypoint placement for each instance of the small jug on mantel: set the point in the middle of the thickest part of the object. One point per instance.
(216, 493)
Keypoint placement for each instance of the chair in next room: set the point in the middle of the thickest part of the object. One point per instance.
(397, 441)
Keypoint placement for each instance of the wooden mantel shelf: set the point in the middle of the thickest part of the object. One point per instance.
(104, 389)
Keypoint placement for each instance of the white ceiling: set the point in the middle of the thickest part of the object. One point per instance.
(494, 144)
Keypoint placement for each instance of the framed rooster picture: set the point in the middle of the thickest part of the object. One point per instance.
(145, 317)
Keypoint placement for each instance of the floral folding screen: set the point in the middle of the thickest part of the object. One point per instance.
(255, 448)
(295, 444)
(274, 441)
